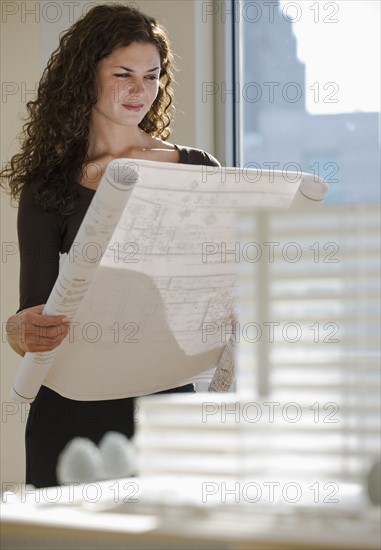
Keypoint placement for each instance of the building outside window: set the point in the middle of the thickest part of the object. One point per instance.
(309, 91)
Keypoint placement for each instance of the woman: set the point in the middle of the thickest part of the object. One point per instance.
(106, 93)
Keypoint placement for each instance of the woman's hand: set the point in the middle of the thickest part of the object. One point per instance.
(233, 324)
(29, 330)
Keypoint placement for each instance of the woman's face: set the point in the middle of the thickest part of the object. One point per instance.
(128, 83)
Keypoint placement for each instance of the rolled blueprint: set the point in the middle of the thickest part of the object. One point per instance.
(149, 281)
(224, 374)
(92, 240)
(311, 192)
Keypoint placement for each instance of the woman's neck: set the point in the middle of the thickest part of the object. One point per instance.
(110, 139)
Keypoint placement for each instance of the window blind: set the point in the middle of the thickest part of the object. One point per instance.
(308, 350)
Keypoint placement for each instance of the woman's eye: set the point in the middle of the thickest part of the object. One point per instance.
(122, 75)
(152, 77)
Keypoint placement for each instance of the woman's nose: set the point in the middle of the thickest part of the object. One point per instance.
(135, 88)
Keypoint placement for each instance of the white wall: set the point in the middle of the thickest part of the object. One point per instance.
(29, 33)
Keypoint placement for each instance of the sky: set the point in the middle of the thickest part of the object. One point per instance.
(340, 44)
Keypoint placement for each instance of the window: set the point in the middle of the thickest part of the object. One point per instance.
(308, 91)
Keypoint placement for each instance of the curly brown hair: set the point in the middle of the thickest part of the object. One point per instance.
(54, 140)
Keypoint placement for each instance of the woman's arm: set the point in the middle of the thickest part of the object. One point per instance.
(40, 240)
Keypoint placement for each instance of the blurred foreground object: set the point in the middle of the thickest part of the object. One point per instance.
(82, 461)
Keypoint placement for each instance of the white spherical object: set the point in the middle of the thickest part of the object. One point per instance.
(118, 456)
(374, 483)
(80, 462)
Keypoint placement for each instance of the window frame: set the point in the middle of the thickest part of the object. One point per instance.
(228, 40)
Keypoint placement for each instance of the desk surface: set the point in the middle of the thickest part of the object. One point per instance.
(131, 514)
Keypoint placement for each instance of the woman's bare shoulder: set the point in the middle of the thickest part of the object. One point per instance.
(157, 150)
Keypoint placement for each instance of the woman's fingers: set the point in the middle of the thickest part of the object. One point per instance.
(37, 338)
(233, 323)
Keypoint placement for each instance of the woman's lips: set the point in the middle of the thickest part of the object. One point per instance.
(133, 106)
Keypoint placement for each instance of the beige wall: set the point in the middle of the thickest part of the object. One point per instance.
(20, 69)
(27, 40)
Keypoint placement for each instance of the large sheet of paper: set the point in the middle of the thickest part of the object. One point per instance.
(149, 281)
